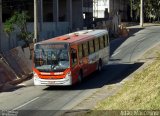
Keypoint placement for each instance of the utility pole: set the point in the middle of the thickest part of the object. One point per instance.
(35, 22)
(141, 13)
(40, 11)
(0, 24)
(131, 12)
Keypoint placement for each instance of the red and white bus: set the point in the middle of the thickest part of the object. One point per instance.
(67, 59)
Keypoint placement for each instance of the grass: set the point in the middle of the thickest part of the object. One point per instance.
(140, 93)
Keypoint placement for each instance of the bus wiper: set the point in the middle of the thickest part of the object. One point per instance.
(55, 62)
(52, 67)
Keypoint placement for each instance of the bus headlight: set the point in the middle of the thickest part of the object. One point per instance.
(35, 75)
(68, 78)
(36, 79)
(68, 75)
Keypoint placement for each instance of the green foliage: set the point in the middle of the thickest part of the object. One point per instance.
(8, 27)
(19, 21)
(151, 8)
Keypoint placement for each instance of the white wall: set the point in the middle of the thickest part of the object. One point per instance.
(112, 5)
(99, 8)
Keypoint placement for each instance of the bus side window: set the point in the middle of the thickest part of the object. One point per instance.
(80, 52)
(96, 43)
(105, 40)
(73, 56)
(91, 46)
(85, 49)
(101, 43)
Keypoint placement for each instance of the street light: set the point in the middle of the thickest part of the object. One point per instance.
(141, 13)
(0, 23)
(35, 22)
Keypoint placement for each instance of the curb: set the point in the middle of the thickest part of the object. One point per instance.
(20, 80)
(1, 86)
(11, 84)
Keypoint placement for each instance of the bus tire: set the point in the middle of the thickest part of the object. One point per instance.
(80, 77)
(100, 66)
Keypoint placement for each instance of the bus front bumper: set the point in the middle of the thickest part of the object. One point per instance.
(51, 82)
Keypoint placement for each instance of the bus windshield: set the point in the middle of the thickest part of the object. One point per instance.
(51, 57)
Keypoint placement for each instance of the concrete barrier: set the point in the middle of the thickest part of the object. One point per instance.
(27, 52)
(18, 62)
(13, 63)
(15, 67)
(6, 74)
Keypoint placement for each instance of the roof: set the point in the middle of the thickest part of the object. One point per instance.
(76, 37)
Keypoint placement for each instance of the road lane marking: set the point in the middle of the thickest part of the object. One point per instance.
(22, 84)
(116, 53)
(25, 103)
(141, 39)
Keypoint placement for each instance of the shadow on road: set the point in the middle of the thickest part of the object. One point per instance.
(111, 74)
(10, 88)
(134, 30)
(114, 44)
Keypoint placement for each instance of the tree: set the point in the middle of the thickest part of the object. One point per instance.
(9, 28)
(151, 9)
(136, 9)
(19, 21)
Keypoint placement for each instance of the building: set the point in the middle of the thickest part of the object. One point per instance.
(99, 8)
(102, 7)
(56, 17)
(87, 13)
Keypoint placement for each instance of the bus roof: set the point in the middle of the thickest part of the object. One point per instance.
(76, 37)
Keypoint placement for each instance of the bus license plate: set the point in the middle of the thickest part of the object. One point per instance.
(51, 82)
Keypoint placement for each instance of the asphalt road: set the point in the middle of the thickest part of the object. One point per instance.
(43, 100)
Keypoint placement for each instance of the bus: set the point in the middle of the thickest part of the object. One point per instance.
(67, 59)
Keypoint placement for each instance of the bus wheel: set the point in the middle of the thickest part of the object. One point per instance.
(100, 65)
(80, 76)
